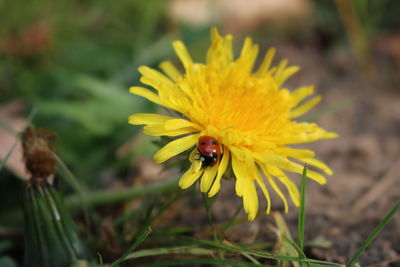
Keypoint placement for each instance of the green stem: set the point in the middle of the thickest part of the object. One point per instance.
(207, 205)
(209, 216)
(120, 195)
(232, 220)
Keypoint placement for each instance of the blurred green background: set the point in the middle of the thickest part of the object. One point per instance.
(73, 62)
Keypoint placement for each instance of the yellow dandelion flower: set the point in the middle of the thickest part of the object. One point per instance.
(248, 113)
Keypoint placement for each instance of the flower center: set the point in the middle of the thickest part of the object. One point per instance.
(235, 100)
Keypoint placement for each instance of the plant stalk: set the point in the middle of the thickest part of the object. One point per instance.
(121, 195)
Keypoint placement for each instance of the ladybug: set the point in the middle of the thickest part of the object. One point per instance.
(209, 149)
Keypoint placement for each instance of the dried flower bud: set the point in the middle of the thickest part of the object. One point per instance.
(38, 152)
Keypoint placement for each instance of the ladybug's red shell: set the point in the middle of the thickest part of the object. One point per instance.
(209, 149)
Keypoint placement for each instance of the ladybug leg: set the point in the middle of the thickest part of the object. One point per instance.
(198, 156)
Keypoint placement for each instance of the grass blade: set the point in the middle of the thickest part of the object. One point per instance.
(300, 223)
(5, 126)
(256, 253)
(4, 161)
(191, 250)
(17, 135)
(191, 262)
(138, 241)
(70, 178)
(232, 221)
(207, 205)
(30, 117)
(251, 258)
(374, 233)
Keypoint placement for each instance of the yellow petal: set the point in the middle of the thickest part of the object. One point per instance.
(295, 153)
(319, 164)
(300, 110)
(174, 97)
(250, 199)
(266, 62)
(149, 95)
(282, 65)
(183, 54)
(220, 50)
(240, 174)
(228, 51)
(264, 189)
(215, 36)
(194, 159)
(307, 132)
(275, 186)
(287, 165)
(255, 174)
(221, 170)
(159, 130)
(248, 43)
(175, 124)
(175, 147)
(300, 93)
(239, 153)
(290, 185)
(215, 49)
(189, 177)
(154, 78)
(148, 118)
(248, 54)
(285, 74)
(279, 161)
(193, 155)
(208, 178)
(245, 188)
(319, 178)
(170, 70)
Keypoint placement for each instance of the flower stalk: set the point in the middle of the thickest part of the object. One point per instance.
(51, 237)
